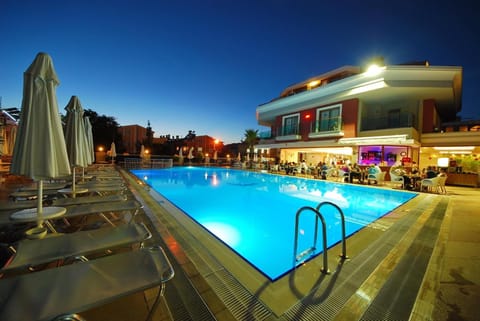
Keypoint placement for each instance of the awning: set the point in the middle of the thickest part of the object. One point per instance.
(378, 140)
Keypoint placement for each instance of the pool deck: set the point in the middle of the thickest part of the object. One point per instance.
(424, 259)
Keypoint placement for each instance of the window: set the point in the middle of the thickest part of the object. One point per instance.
(329, 118)
(290, 124)
(394, 118)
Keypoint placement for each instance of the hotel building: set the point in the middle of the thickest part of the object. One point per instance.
(382, 114)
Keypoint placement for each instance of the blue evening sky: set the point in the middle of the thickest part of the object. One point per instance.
(206, 65)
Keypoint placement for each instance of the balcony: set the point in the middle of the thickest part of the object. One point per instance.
(327, 127)
(289, 132)
(388, 122)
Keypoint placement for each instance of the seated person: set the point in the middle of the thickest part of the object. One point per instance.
(304, 167)
(324, 170)
(346, 172)
(431, 173)
(415, 170)
(373, 170)
(355, 172)
(442, 172)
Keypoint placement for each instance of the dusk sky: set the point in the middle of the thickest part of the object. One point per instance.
(206, 65)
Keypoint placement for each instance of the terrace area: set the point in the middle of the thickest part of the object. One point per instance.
(418, 263)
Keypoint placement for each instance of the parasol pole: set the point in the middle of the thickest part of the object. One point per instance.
(40, 203)
(73, 186)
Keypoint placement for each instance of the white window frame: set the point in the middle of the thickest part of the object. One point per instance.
(296, 115)
(323, 109)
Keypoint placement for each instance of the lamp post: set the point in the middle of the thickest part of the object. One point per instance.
(100, 154)
(215, 155)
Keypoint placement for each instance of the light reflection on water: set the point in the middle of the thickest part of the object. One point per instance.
(254, 213)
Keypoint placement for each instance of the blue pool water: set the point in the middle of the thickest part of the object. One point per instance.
(254, 213)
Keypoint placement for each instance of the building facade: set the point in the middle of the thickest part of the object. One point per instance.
(133, 137)
(381, 115)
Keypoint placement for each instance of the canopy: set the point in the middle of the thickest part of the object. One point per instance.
(40, 151)
(90, 147)
(76, 137)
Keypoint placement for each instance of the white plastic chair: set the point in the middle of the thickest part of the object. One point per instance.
(342, 174)
(379, 177)
(396, 179)
(441, 184)
(430, 184)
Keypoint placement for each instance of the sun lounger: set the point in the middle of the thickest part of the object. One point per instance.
(107, 190)
(31, 194)
(69, 289)
(101, 209)
(46, 187)
(9, 206)
(28, 254)
(93, 184)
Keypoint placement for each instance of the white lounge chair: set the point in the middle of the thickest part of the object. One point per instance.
(64, 247)
(69, 289)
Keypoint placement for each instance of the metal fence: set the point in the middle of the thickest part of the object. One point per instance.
(136, 163)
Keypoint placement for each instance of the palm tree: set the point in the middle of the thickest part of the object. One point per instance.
(251, 139)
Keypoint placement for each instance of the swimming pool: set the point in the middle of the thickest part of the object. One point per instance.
(254, 213)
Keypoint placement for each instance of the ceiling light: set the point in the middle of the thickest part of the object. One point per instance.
(456, 152)
(456, 148)
(313, 83)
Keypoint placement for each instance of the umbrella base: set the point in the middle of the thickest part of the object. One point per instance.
(36, 233)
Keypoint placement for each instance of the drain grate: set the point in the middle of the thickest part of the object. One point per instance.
(239, 301)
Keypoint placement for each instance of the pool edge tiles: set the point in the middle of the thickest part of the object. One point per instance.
(233, 213)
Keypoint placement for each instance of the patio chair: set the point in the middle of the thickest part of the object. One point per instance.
(430, 184)
(378, 178)
(108, 211)
(441, 184)
(73, 288)
(73, 246)
(342, 175)
(397, 179)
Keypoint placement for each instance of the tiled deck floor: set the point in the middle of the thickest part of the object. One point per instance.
(450, 289)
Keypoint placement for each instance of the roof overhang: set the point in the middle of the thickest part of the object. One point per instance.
(378, 140)
(392, 83)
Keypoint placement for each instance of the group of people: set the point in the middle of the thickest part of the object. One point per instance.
(348, 171)
(411, 179)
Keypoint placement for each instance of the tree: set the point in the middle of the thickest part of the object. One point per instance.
(105, 130)
(251, 138)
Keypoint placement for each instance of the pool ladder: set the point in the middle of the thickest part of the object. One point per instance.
(311, 250)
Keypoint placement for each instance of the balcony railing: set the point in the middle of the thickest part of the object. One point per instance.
(326, 125)
(385, 122)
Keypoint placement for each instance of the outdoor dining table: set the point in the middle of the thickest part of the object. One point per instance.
(29, 215)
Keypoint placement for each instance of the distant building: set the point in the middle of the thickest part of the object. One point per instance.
(133, 137)
(206, 145)
(8, 128)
